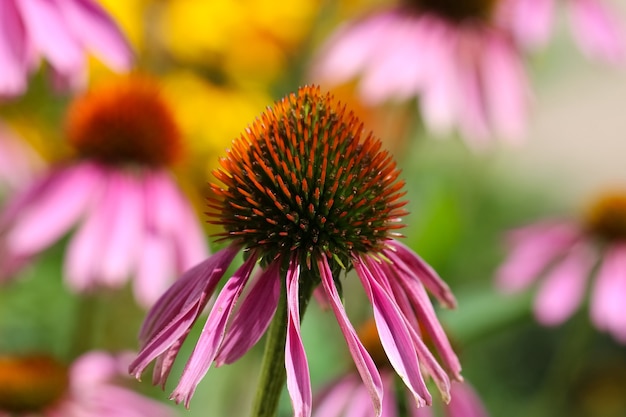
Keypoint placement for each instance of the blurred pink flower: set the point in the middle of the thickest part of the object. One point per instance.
(61, 32)
(563, 255)
(347, 396)
(19, 163)
(90, 388)
(466, 70)
(131, 219)
(595, 28)
(270, 213)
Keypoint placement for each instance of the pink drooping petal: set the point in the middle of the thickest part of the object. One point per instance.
(298, 377)
(212, 334)
(359, 406)
(13, 50)
(533, 249)
(50, 34)
(333, 399)
(505, 86)
(394, 335)
(363, 361)
(253, 317)
(425, 356)
(608, 302)
(156, 269)
(97, 32)
(465, 402)
(54, 211)
(563, 287)
(530, 21)
(390, 400)
(92, 369)
(597, 31)
(123, 205)
(174, 313)
(171, 216)
(415, 266)
(349, 50)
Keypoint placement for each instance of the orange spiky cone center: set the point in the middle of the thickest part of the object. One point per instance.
(606, 217)
(305, 178)
(124, 122)
(31, 383)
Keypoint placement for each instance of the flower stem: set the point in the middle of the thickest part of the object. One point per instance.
(273, 373)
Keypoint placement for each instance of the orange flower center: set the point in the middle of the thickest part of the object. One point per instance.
(31, 383)
(607, 217)
(124, 122)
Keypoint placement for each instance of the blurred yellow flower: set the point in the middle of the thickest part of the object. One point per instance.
(130, 16)
(248, 39)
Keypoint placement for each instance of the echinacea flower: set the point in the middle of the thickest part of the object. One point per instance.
(562, 254)
(61, 32)
(38, 385)
(465, 69)
(130, 216)
(346, 395)
(19, 163)
(594, 26)
(305, 195)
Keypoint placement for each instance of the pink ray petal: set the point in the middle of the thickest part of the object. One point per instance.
(394, 335)
(465, 402)
(564, 287)
(58, 208)
(298, 378)
(156, 269)
(212, 334)
(253, 317)
(529, 20)
(608, 302)
(333, 399)
(50, 34)
(415, 266)
(363, 361)
(13, 50)
(597, 31)
(98, 32)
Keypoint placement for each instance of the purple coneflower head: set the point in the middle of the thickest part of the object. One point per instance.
(347, 396)
(305, 195)
(39, 385)
(130, 216)
(465, 68)
(61, 32)
(595, 28)
(563, 254)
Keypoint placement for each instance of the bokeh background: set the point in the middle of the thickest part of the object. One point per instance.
(220, 63)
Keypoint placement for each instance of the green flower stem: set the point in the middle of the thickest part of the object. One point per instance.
(273, 373)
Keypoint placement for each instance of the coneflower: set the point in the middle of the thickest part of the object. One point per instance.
(306, 196)
(133, 222)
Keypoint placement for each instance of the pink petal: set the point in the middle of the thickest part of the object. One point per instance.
(98, 32)
(298, 378)
(19, 163)
(564, 287)
(415, 266)
(390, 401)
(506, 87)
(51, 35)
(13, 50)
(608, 302)
(364, 363)
(174, 313)
(123, 205)
(533, 248)
(465, 402)
(597, 31)
(253, 317)
(92, 369)
(394, 335)
(54, 211)
(155, 270)
(333, 399)
(530, 21)
(212, 334)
